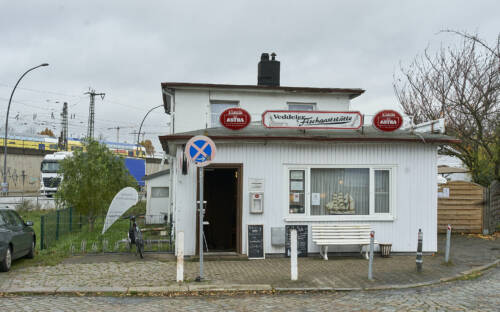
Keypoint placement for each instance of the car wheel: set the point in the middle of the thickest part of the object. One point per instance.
(7, 261)
(31, 254)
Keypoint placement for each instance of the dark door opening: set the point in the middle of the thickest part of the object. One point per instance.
(221, 193)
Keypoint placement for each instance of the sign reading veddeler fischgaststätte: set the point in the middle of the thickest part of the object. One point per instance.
(312, 120)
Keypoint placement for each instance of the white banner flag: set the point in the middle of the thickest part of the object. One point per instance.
(125, 199)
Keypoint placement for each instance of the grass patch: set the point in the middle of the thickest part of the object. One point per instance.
(72, 242)
(471, 276)
(449, 263)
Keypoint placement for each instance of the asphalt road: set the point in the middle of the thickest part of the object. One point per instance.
(479, 294)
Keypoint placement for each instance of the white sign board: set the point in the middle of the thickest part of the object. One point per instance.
(315, 199)
(200, 150)
(312, 120)
(445, 193)
(256, 185)
(125, 199)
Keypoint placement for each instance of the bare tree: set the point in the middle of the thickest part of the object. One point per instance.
(462, 85)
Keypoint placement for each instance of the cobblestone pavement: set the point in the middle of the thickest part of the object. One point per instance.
(481, 294)
(338, 272)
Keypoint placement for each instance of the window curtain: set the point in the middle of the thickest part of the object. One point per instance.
(381, 191)
(216, 109)
(339, 191)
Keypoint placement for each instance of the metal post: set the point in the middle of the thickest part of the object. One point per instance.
(42, 231)
(370, 262)
(5, 185)
(293, 255)
(420, 260)
(140, 127)
(180, 256)
(57, 224)
(448, 239)
(200, 239)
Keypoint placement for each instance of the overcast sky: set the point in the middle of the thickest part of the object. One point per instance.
(127, 48)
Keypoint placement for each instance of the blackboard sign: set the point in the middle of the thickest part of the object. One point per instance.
(255, 241)
(302, 237)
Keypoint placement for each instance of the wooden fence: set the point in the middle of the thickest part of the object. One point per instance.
(463, 208)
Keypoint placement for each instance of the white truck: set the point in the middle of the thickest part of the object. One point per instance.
(50, 178)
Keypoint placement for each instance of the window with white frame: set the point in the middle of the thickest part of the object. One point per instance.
(301, 106)
(157, 192)
(216, 109)
(334, 191)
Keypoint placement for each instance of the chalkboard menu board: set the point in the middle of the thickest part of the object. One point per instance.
(302, 237)
(255, 241)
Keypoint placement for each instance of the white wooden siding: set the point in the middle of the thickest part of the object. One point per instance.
(192, 107)
(415, 179)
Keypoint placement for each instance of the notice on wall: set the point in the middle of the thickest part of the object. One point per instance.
(296, 185)
(315, 199)
(302, 238)
(445, 193)
(256, 185)
(255, 241)
(296, 197)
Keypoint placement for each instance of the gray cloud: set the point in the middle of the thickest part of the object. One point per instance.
(126, 48)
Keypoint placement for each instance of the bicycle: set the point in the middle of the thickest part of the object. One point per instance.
(135, 236)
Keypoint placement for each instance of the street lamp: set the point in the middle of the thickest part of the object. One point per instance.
(5, 185)
(140, 127)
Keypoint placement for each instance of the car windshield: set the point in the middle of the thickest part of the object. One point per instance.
(50, 166)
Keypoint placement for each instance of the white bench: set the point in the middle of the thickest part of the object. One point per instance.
(341, 234)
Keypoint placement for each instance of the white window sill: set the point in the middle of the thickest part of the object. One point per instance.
(339, 218)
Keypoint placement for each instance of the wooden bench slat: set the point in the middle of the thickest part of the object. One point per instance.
(341, 234)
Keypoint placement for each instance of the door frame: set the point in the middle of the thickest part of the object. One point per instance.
(239, 201)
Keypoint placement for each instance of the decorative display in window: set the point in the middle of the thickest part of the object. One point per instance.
(341, 204)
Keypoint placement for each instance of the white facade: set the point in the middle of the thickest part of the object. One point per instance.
(193, 105)
(409, 160)
(413, 184)
(158, 197)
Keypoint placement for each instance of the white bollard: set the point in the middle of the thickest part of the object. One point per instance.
(180, 256)
(293, 254)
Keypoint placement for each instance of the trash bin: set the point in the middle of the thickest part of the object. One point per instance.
(385, 250)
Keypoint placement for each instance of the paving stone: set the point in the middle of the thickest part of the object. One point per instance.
(481, 294)
(338, 272)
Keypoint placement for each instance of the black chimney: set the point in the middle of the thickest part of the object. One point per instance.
(268, 71)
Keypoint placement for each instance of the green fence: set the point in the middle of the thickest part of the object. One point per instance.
(58, 223)
(73, 227)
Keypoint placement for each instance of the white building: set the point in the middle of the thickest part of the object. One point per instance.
(303, 177)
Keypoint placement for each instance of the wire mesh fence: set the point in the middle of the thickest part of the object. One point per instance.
(70, 231)
(59, 223)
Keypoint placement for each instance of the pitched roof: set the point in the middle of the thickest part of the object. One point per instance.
(258, 133)
(156, 174)
(178, 85)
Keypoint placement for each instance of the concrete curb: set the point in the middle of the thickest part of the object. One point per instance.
(196, 289)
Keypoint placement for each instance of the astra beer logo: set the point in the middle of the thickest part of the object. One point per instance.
(235, 118)
(388, 120)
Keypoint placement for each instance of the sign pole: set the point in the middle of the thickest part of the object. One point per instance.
(201, 151)
(200, 239)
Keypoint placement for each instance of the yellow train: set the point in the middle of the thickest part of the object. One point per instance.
(51, 144)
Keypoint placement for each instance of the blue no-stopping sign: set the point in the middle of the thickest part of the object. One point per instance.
(200, 150)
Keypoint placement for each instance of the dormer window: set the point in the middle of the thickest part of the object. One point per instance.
(216, 108)
(301, 106)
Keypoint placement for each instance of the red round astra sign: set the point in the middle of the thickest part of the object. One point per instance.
(235, 118)
(388, 120)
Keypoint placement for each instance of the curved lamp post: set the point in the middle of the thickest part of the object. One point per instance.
(5, 185)
(140, 127)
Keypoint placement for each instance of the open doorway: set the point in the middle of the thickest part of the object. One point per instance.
(222, 189)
